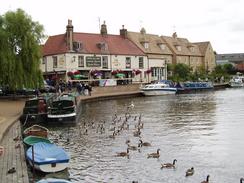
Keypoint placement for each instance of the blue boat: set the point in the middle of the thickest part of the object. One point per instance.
(47, 157)
(193, 87)
(52, 180)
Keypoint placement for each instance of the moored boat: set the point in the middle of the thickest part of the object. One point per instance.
(159, 88)
(31, 140)
(237, 81)
(53, 180)
(36, 130)
(63, 109)
(47, 157)
(193, 87)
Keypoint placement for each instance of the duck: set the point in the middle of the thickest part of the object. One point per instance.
(241, 180)
(112, 136)
(154, 155)
(123, 154)
(207, 180)
(190, 172)
(169, 165)
(144, 143)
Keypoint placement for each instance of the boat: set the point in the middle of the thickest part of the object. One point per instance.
(35, 110)
(63, 109)
(47, 157)
(36, 130)
(158, 88)
(53, 180)
(31, 140)
(193, 87)
(237, 81)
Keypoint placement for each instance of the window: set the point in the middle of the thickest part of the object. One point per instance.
(162, 46)
(127, 63)
(55, 62)
(80, 61)
(105, 62)
(146, 45)
(178, 48)
(44, 60)
(141, 64)
(192, 49)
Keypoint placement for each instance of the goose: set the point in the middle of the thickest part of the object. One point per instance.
(131, 106)
(169, 165)
(241, 180)
(144, 143)
(207, 180)
(112, 136)
(190, 172)
(133, 148)
(123, 154)
(154, 155)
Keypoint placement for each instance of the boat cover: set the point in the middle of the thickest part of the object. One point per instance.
(45, 153)
(52, 180)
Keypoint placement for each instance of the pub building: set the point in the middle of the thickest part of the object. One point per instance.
(87, 56)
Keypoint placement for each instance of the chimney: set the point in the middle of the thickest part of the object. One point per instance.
(103, 30)
(123, 32)
(69, 35)
(174, 35)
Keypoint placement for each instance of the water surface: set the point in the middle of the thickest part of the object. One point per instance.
(203, 130)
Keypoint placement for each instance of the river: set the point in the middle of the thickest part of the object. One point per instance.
(203, 130)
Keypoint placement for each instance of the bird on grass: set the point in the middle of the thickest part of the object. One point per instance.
(169, 165)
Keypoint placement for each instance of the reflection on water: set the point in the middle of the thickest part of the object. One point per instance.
(203, 131)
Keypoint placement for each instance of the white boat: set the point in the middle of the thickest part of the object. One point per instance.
(158, 89)
(47, 157)
(237, 81)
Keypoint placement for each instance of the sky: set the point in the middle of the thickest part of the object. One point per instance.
(219, 21)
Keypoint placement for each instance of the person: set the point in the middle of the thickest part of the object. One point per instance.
(69, 85)
(89, 89)
(41, 106)
(1, 151)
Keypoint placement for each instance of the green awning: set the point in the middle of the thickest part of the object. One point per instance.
(79, 76)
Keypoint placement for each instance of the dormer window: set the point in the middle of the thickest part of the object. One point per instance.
(178, 48)
(103, 46)
(192, 49)
(145, 45)
(77, 46)
(162, 46)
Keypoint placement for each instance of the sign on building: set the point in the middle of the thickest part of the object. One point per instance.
(93, 61)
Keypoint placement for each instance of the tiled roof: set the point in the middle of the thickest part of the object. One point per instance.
(90, 44)
(232, 57)
(184, 44)
(202, 46)
(153, 43)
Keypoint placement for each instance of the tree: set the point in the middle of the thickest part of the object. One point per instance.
(181, 72)
(20, 51)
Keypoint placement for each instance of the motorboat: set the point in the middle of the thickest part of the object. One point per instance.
(53, 180)
(159, 88)
(237, 81)
(47, 157)
(193, 87)
(63, 109)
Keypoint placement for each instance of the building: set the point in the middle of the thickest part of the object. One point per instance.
(237, 59)
(94, 56)
(156, 50)
(195, 55)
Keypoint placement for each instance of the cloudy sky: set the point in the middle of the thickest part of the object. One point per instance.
(219, 21)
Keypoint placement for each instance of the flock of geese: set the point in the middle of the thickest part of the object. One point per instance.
(119, 124)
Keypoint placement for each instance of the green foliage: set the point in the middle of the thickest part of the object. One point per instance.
(20, 51)
(181, 72)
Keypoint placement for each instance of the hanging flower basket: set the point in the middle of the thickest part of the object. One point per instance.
(148, 71)
(76, 72)
(137, 72)
(70, 74)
